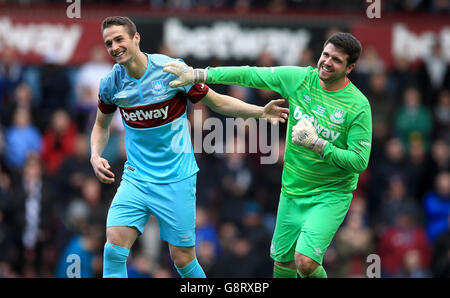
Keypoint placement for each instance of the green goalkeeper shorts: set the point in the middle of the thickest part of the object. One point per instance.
(307, 225)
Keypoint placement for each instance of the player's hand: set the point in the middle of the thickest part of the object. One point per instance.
(186, 74)
(102, 170)
(304, 134)
(274, 113)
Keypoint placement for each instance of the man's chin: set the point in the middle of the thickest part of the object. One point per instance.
(121, 60)
(325, 77)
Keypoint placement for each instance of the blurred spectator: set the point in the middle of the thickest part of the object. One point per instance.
(91, 195)
(396, 201)
(403, 76)
(441, 256)
(413, 120)
(437, 206)
(205, 230)
(208, 258)
(393, 162)
(140, 266)
(236, 181)
(440, 6)
(78, 256)
(406, 5)
(369, 64)
(21, 139)
(307, 58)
(412, 266)
(240, 261)
(55, 88)
(34, 211)
(354, 242)
(58, 141)
(441, 113)
(382, 103)
(418, 166)
(434, 74)
(438, 160)
(22, 98)
(74, 168)
(268, 185)
(397, 240)
(87, 84)
(6, 219)
(227, 233)
(11, 75)
(163, 272)
(260, 238)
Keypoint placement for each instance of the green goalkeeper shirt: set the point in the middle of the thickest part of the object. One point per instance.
(341, 117)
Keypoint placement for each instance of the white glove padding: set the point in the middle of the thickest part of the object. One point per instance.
(186, 74)
(304, 134)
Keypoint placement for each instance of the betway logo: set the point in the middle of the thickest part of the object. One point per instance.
(323, 131)
(140, 115)
(42, 39)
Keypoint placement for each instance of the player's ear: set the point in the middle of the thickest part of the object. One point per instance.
(350, 68)
(137, 37)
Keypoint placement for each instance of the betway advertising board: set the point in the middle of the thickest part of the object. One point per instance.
(69, 41)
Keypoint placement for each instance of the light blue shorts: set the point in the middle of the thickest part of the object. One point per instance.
(172, 204)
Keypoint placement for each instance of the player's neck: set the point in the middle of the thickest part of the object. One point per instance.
(335, 85)
(137, 67)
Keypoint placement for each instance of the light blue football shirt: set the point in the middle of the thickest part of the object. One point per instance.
(157, 139)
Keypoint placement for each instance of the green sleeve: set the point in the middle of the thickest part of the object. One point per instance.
(356, 157)
(280, 79)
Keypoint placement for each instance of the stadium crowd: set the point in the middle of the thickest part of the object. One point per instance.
(52, 206)
(281, 6)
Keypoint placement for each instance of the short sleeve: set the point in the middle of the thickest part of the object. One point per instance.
(106, 108)
(104, 97)
(197, 92)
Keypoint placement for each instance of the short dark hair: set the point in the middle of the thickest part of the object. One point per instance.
(346, 43)
(120, 21)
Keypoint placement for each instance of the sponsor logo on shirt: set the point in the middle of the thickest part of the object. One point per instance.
(152, 115)
(139, 115)
(324, 132)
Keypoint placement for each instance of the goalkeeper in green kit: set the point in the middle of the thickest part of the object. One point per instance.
(330, 132)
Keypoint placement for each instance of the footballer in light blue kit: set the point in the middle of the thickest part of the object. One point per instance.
(159, 175)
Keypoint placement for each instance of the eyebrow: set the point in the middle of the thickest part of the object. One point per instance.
(334, 57)
(115, 37)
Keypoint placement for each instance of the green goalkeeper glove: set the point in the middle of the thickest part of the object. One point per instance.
(186, 74)
(304, 134)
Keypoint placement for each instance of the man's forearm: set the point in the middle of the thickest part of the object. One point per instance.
(99, 140)
(346, 159)
(230, 106)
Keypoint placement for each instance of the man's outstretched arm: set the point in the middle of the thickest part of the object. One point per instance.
(278, 79)
(231, 106)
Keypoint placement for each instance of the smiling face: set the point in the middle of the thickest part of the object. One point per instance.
(122, 47)
(332, 65)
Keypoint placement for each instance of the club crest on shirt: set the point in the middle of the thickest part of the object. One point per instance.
(338, 116)
(158, 87)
